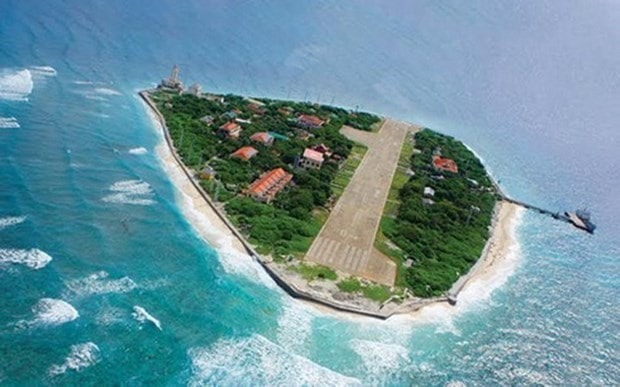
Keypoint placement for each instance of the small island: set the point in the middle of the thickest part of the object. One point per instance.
(342, 208)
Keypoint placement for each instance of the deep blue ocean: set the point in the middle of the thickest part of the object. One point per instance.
(91, 226)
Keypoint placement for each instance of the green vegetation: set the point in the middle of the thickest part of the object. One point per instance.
(344, 175)
(313, 272)
(378, 293)
(443, 238)
(350, 285)
(287, 226)
(363, 121)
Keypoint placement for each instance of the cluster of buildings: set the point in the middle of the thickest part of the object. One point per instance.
(267, 186)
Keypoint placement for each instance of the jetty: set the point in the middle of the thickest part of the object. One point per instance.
(579, 218)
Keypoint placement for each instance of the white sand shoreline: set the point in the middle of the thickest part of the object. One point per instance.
(490, 272)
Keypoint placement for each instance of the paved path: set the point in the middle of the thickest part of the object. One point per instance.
(346, 241)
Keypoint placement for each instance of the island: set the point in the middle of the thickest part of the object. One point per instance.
(342, 208)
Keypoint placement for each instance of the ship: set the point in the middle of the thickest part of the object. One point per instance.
(581, 219)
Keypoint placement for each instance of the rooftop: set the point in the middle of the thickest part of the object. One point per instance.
(445, 164)
(269, 184)
(263, 137)
(230, 126)
(310, 120)
(244, 153)
(313, 155)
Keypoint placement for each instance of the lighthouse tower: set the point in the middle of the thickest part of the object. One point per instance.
(173, 82)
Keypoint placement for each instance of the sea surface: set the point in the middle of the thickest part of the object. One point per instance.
(103, 281)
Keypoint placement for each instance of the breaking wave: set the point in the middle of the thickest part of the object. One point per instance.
(380, 360)
(106, 91)
(50, 312)
(15, 85)
(257, 361)
(80, 356)
(33, 258)
(11, 221)
(99, 283)
(130, 192)
(138, 151)
(142, 316)
(43, 71)
(9, 123)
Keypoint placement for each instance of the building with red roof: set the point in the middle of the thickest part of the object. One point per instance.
(230, 130)
(309, 122)
(445, 164)
(257, 109)
(267, 186)
(311, 159)
(262, 138)
(244, 153)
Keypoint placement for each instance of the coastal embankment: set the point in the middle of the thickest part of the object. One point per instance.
(219, 232)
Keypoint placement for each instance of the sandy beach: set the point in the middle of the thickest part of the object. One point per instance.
(496, 264)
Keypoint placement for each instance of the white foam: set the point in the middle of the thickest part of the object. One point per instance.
(15, 85)
(106, 91)
(83, 82)
(33, 258)
(380, 359)
(255, 360)
(294, 325)
(80, 356)
(108, 315)
(99, 283)
(50, 312)
(130, 192)
(138, 151)
(11, 221)
(44, 71)
(140, 314)
(9, 123)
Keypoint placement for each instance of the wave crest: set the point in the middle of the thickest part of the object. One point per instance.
(33, 258)
(130, 192)
(138, 151)
(258, 361)
(80, 356)
(99, 283)
(44, 71)
(9, 123)
(50, 312)
(11, 221)
(15, 85)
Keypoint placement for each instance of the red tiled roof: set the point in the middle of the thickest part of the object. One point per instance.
(311, 154)
(230, 126)
(445, 164)
(263, 137)
(310, 120)
(245, 153)
(256, 109)
(269, 184)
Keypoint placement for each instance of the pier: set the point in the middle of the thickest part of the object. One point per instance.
(573, 218)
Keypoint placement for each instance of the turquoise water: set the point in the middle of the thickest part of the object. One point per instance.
(531, 87)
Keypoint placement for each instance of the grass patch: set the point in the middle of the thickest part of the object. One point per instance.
(346, 172)
(349, 285)
(377, 293)
(313, 272)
